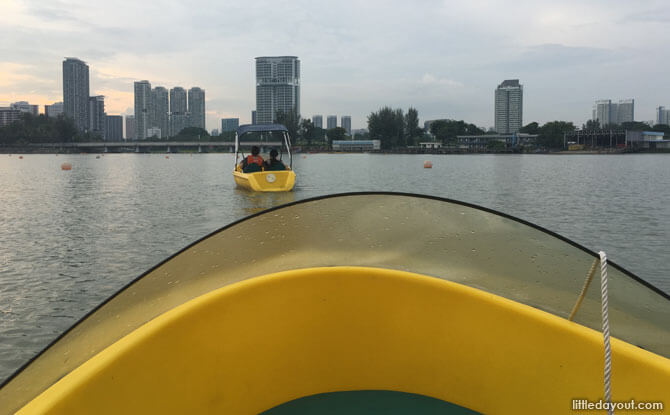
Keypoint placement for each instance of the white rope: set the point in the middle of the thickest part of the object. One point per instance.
(606, 332)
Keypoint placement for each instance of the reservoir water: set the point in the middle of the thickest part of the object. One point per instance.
(70, 239)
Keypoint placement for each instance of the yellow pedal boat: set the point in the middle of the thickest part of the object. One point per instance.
(367, 303)
(263, 136)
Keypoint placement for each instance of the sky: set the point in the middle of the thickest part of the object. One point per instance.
(444, 58)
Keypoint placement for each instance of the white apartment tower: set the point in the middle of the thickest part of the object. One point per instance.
(196, 106)
(143, 108)
(277, 86)
(509, 107)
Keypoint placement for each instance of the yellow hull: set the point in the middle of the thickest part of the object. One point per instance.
(266, 181)
(252, 345)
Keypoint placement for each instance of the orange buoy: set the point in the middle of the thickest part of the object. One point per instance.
(427, 164)
(20, 157)
(66, 166)
(304, 157)
(167, 157)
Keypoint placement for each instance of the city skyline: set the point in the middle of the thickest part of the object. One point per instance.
(560, 55)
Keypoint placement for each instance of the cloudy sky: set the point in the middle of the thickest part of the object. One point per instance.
(443, 57)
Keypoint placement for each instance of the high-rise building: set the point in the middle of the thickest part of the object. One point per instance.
(142, 109)
(196, 106)
(25, 108)
(114, 128)
(160, 109)
(229, 124)
(277, 87)
(76, 92)
(215, 132)
(179, 117)
(54, 110)
(130, 127)
(97, 119)
(317, 120)
(331, 121)
(625, 111)
(662, 116)
(345, 122)
(509, 107)
(253, 117)
(608, 113)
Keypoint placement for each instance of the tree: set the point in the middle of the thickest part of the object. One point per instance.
(447, 130)
(551, 133)
(307, 130)
(591, 125)
(387, 126)
(290, 120)
(635, 126)
(532, 128)
(412, 131)
(336, 133)
(663, 128)
(191, 134)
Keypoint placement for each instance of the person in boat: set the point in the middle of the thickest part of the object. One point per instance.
(253, 162)
(273, 163)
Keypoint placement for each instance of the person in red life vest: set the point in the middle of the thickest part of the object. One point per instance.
(253, 162)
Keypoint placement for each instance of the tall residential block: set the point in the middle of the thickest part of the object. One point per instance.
(345, 122)
(160, 110)
(277, 87)
(609, 113)
(179, 117)
(331, 121)
(317, 121)
(508, 107)
(54, 110)
(97, 119)
(253, 118)
(142, 109)
(114, 128)
(76, 92)
(196, 107)
(662, 116)
(229, 124)
(130, 127)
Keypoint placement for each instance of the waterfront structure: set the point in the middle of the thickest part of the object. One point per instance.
(487, 141)
(159, 109)
(9, 115)
(253, 117)
(662, 116)
(651, 140)
(317, 121)
(54, 110)
(229, 124)
(196, 107)
(76, 92)
(345, 122)
(508, 106)
(142, 109)
(96, 115)
(331, 122)
(607, 112)
(130, 127)
(356, 145)
(277, 87)
(25, 108)
(114, 128)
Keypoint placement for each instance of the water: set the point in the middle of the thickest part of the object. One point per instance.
(70, 239)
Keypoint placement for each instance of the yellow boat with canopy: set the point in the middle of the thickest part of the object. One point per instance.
(263, 178)
(377, 303)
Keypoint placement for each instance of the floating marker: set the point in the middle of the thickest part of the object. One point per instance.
(167, 157)
(66, 166)
(427, 164)
(20, 157)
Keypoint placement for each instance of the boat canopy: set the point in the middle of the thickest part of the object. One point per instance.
(249, 128)
(436, 237)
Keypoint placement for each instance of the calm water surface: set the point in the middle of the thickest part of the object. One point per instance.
(70, 239)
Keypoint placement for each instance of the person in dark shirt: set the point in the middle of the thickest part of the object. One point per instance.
(272, 163)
